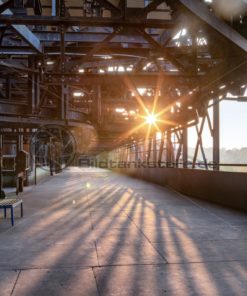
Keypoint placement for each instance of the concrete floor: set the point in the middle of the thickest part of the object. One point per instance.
(92, 232)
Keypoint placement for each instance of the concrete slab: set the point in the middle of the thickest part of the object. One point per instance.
(49, 256)
(112, 222)
(192, 233)
(187, 250)
(62, 282)
(119, 236)
(87, 218)
(125, 254)
(188, 279)
(7, 281)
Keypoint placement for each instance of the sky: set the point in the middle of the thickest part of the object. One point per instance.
(233, 124)
(233, 127)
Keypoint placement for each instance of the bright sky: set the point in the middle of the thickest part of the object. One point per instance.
(233, 127)
(233, 120)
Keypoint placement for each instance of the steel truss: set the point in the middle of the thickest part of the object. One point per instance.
(171, 148)
(41, 56)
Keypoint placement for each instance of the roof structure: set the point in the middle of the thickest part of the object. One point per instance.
(107, 63)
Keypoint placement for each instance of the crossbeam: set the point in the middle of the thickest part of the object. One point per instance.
(87, 37)
(23, 31)
(152, 6)
(200, 10)
(5, 5)
(108, 5)
(84, 21)
(142, 80)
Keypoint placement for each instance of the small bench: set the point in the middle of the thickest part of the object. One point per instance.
(11, 203)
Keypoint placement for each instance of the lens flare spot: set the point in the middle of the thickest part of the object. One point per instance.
(151, 119)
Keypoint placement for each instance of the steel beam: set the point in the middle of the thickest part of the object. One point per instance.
(83, 50)
(17, 51)
(99, 104)
(29, 37)
(154, 148)
(161, 148)
(84, 21)
(185, 147)
(216, 135)
(16, 66)
(6, 5)
(2, 193)
(144, 80)
(152, 6)
(88, 37)
(169, 148)
(199, 144)
(145, 52)
(54, 7)
(101, 63)
(101, 44)
(9, 108)
(64, 102)
(31, 84)
(35, 121)
(8, 89)
(201, 11)
(108, 5)
(158, 46)
(23, 31)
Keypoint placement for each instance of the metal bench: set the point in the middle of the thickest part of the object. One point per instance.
(11, 203)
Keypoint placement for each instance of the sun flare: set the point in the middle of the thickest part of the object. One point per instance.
(151, 119)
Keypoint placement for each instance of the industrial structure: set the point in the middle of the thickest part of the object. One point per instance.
(117, 84)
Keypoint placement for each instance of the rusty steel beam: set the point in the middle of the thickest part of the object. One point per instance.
(146, 79)
(23, 31)
(84, 21)
(108, 5)
(152, 6)
(202, 12)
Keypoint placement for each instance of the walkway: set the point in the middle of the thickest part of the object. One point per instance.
(92, 232)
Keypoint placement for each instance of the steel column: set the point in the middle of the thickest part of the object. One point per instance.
(99, 104)
(154, 148)
(216, 135)
(2, 193)
(161, 148)
(169, 154)
(64, 102)
(34, 86)
(185, 147)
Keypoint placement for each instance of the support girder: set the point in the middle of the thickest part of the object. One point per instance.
(201, 11)
(33, 121)
(23, 31)
(144, 52)
(16, 66)
(158, 46)
(108, 5)
(84, 21)
(87, 37)
(5, 5)
(152, 6)
(145, 80)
